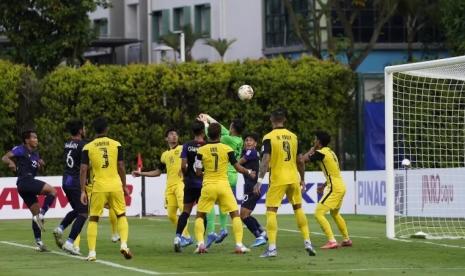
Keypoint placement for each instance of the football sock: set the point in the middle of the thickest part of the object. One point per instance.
(77, 241)
(223, 220)
(252, 226)
(47, 202)
(302, 223)
(123, 229)
(113, 221)
(320, 212)
(68, 219)
(182, 223)
(77, 227)
(341, 223)
(172, 214)
(199, 230)
(237, 229)
(36, 230)
(271, 226)
(92, 228)
(211, 221)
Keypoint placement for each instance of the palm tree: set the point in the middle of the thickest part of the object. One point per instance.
(221, 45)
(190, 37)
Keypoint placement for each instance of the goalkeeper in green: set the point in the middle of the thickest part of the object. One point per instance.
(232, 138)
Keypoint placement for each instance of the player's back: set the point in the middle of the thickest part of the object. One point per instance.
(72, 156)
(329, 165)
(215, 159)
(172, 160)
(189, 152)
(282, 145)
(104, 154)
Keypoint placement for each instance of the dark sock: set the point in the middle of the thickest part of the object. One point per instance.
(259, 227)
(47, 202)
(68, 219)
(182, 222)
(251, 225)
(36, 231)
(77, 226)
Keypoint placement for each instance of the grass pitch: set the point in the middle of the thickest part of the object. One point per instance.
(151, 240)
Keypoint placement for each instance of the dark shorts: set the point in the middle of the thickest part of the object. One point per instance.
(29, 189)
(191, 195)
(250, 200)
(74, 198)
(70, 182)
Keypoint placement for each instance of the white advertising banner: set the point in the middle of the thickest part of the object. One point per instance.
(370, 195)
(13, 207)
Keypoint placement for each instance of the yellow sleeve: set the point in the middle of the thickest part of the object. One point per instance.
(163, 158)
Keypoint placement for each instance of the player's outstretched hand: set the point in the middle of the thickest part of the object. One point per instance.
(126, 191)
(253, 174)
(302, 185)
(83, 198)
(256, 188)
(202, 118)
(136, 173)
(12, 166)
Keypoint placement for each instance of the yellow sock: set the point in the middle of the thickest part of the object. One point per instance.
(341, 223)
(77, 241)
(172, 215)
(199, 230)
(185, 232)
(237, 229)
(113, 221)
(271, 227)
(123, 229)
(92, 228)
(302, 223)
(320, 212)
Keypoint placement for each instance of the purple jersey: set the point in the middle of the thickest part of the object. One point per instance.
(252, 158)
(27, 162)
(72, 157)
(189, 152)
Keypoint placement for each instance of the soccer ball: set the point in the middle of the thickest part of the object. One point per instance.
(245, 92)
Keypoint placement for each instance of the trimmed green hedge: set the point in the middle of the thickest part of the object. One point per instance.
(142, 101)
(16, 86)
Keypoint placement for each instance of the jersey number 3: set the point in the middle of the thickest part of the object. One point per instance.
(105, 158)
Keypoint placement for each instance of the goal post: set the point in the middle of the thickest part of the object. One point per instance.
(425, 128)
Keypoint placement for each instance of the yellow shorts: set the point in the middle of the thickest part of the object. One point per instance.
(174, 196)
(97, 201)
(275, 194)
(220, 194)
(333, 199)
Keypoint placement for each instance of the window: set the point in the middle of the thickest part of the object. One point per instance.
(101, 27)
(202, 19)
(160, 24)
(181, 17)
(278, 27)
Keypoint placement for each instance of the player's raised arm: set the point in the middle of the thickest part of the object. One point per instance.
(8, 159)
(153, 173)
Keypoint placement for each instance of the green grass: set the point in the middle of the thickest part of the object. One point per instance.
(150, 239)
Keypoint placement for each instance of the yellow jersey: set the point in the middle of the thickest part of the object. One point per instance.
(215, 159)
(282, 145)
(172, 160)
(329, 165)
(102, 156)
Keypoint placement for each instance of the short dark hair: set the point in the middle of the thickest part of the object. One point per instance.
(279, 115)
(27, 134)
(252, 135)
(238, 125)
(100, 125)
(323, 137)
(197, 127)
(214, 131)
(74, 126)
(167, 132)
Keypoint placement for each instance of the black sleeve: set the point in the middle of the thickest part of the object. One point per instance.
(232, 158)
(267, 146)
(85, 157)
(162, 167)
(120, 153)
(317, 156)
(199, 156)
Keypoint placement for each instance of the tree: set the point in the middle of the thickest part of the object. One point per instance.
(453, 21)
(190, 37)
(221, 45)
(45, 32)
(346, 12)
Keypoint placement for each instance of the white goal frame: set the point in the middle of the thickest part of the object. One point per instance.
(389, 126)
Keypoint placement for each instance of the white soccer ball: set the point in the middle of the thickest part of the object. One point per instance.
(245, 92)
(406, 162)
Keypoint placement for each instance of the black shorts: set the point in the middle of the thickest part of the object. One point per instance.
(74, 198)
(191, 195)
(70, 182)
(29, 188)
(250, 200)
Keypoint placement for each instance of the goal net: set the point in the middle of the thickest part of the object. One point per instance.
(425, 149)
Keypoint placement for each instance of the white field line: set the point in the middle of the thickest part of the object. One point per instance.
(429, 242)
(115, 265)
